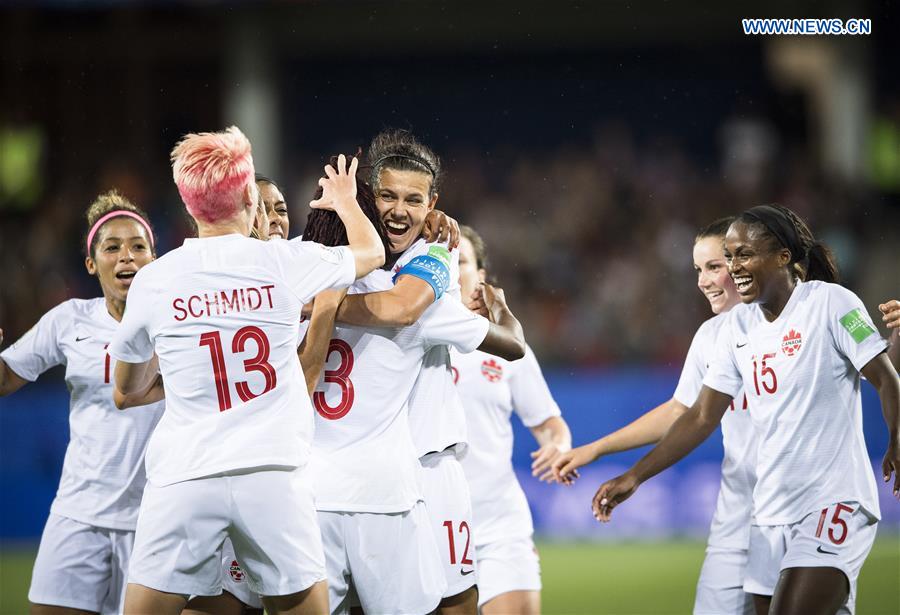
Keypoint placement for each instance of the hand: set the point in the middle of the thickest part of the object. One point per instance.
(442, 228)
(565, 468)
(338, 187)
(891, 465)
(611, 494)
(543, 460)
(891, 311)
(494, 301)
(476, 304)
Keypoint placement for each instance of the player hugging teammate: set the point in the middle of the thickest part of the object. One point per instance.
(326, 465)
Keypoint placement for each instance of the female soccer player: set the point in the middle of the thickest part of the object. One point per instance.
(720, 588)
(509, 576)
(228, 456)
(797, 345)
(276, 208)
(83, 557)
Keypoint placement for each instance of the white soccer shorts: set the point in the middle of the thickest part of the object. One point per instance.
(507, 566)
(720, 589)
(234, 579)
(449, 505)
(81, 566)
(269, 514)
(839, 536)
(387, 563)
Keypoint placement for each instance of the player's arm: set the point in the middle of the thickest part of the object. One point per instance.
(339, 195)
(401, 306)
(313, 351)
(686, 434)
(883, 377)
(134, 381)
(891, 316)
(649, 428)
(441, 228)
(554, 439)
(505, 337)
(10, 381)
(156, 392)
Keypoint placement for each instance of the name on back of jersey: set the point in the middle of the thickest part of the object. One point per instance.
(220, 302)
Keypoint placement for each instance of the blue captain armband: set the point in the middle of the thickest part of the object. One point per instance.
(430, 269)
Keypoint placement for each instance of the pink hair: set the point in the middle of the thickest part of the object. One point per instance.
(211, 170)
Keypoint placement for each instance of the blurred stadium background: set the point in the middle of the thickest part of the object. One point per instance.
(586, 141)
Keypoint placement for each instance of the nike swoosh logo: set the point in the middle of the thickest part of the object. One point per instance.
(742, 345)
(466, 572)
(821, 550)
(81, 339)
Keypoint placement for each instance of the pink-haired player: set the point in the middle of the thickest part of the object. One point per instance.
(228, 457)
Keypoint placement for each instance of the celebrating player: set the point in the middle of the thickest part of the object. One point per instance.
(406, 176)
(228, 457)
(276, 208)
(797, 345)
(720, 588)
(378, 543)
(83, 557)
(509, 575)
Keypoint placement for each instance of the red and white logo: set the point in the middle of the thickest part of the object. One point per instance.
(491, 370)
(236, 572)
(790, 344)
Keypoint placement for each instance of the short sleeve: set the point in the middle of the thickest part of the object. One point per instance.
(691, 380)
(531, 396)
(448, 322)
(39, 349)
(723, 374)
(853, 331)
(131, 342)
(309, 268)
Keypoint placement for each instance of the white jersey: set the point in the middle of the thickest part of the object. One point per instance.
(222, 314)
(436, 414)
(801, 375)
(363, 456)
(103, 472)
(730, 526)
(492, 389)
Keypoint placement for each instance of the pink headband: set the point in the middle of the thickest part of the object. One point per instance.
(113, 214)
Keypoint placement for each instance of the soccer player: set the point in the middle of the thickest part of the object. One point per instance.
(406, 176)
(797, 344)
(84, 552)
(228, 456)
(720, 588)
(276, 208)
(491, 388)
(379, 547)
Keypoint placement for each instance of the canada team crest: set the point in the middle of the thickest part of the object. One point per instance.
(492, 370)
(790, 344)
(236, 572)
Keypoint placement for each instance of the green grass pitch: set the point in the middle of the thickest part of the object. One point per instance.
(638, 578)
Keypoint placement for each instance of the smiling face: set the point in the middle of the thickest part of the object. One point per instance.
(403, 200)
(276, 209)
(712, 275)
(758, 268)
(121, 248)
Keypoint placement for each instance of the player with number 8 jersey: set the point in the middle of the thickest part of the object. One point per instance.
(228, 457)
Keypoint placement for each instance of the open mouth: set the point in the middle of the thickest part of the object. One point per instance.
(275, 232)
(395, 228)
(125, 276)
(743, 282)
